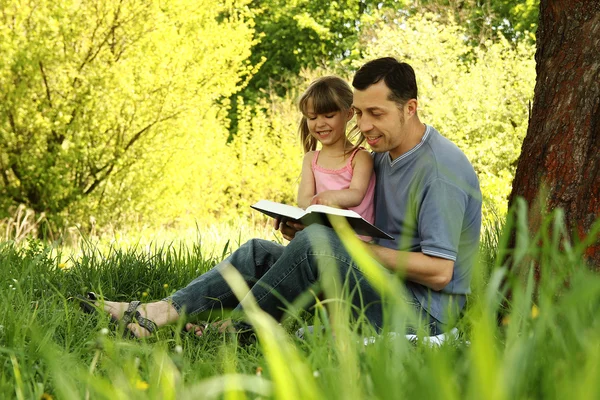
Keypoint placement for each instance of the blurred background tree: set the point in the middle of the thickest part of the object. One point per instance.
(482, 19)
(487, 118)
(163, 113)
(306, 34)
(97, 96)
(300, 34)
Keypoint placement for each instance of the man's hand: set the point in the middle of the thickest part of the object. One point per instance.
(288, 228)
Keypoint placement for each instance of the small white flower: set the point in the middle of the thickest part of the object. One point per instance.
(104, 331)
(178, 349)
(316, 374)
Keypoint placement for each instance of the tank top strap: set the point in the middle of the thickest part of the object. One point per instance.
(315, 157)
(349, 164)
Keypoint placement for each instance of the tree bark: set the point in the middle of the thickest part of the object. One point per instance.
(561, 150)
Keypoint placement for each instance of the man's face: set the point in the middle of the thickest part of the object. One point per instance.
(380, 120)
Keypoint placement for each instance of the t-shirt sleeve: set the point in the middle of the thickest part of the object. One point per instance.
(441, 214)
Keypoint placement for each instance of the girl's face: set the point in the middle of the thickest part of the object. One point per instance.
(329, 128)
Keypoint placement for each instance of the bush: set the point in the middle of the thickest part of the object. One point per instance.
(476, 97)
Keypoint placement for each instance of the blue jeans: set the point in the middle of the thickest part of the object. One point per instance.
(278, 274)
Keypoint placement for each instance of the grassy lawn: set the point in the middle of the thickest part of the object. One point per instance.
(547, 345)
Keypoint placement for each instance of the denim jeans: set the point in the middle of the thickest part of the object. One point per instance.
(278, 274)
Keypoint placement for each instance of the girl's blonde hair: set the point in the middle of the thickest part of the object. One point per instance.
(328, 94)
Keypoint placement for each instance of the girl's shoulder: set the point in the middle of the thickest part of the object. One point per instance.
(309, 155)
(363, 150)
(362, 156)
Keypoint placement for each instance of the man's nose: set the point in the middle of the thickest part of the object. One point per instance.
(364, 124)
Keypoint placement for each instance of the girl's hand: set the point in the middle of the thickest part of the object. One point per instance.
(326, 198)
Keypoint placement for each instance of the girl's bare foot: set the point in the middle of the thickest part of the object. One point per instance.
(160, 312)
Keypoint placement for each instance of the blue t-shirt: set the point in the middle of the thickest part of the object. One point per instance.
(429, 200)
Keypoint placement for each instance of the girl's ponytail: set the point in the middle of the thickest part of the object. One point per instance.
(309, 143)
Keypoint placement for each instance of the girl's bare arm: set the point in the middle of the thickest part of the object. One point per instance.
(306, 190)
(354, 195)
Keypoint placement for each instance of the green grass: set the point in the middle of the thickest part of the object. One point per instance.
(48, 346)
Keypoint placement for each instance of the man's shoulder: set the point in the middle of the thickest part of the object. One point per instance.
(447, 153)
(440, 143)
(446, 162)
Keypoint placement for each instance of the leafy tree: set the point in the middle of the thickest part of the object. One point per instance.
(94, 92)
(479, 102)
(305, 34)
(483, 18)
(298, 34)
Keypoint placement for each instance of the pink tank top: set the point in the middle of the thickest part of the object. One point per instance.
(339, 179)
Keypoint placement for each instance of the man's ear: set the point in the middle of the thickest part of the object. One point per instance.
(350, 114)
(411, 107)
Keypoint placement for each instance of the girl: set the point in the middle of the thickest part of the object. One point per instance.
(340, 174)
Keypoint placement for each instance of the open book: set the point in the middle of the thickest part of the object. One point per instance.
(317, 214)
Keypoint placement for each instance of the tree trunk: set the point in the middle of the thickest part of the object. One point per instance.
(561, 151)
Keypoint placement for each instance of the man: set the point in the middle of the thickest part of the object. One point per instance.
(427, 193)
(427, 197)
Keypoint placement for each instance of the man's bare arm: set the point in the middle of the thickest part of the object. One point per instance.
(433, 272)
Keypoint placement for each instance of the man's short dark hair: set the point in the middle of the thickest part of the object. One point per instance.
(399, 77)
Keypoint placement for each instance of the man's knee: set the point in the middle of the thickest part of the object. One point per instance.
(254, 246)
(324, 239)
(316, 233)
(258, 251)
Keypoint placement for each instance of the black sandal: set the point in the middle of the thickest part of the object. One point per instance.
(132, 315)
(87, 303)
(88, 306)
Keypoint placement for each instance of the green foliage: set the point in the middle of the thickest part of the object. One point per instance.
(305, 34)
(522, 15)
(216, 180)
(118, 113)
(480, 103)
(96, 96)
(267, 155)
(514, 19)
(300, 34)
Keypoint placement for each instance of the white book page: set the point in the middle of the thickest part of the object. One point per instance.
(331, 210)
(280, 209)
